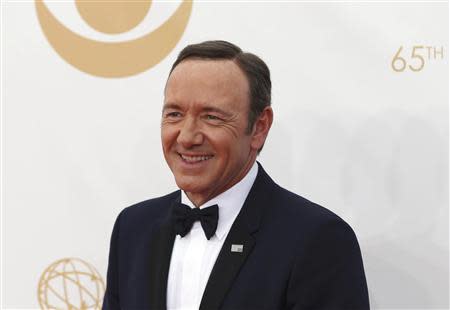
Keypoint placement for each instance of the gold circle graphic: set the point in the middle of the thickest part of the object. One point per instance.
(113, 16)
(114, 59)
(71, 283)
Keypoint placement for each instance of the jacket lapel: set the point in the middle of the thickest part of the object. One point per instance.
(161, 246)
(242, 232)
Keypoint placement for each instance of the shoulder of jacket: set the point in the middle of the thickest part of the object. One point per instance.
(154, 207)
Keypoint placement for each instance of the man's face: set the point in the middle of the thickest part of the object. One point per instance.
(203, 128)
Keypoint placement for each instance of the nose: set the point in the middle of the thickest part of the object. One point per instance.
(190, 134)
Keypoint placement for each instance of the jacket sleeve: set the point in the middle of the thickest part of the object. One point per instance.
(329, 273)
(111, 298)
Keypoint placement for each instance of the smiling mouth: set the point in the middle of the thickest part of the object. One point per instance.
(195, 159)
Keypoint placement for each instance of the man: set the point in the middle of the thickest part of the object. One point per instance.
(230, 238)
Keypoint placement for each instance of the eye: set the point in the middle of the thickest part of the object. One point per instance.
(211, 117)
(173, 115)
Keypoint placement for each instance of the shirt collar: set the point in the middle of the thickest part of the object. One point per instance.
(230, 202)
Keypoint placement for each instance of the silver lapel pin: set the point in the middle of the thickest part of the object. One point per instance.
(237, 248)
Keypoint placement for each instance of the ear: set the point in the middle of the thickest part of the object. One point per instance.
(261, 128)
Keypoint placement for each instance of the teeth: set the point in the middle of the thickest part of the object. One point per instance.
(193, 159)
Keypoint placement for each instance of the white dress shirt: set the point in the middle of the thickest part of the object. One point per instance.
(193, 256)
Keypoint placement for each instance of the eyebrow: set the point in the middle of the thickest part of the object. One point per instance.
(170, 105)
(217, 110)
(176, 106)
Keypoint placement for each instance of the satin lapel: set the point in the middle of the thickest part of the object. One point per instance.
(242, 232)
(226, 268)
(161, 246)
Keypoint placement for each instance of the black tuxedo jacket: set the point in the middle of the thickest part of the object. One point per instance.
(296, 255)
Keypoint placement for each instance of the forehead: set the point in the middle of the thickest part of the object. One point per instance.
(208, 81)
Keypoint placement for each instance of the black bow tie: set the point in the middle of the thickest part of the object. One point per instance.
(184, 217)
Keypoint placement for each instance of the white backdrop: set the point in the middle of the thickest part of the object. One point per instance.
(351, 134)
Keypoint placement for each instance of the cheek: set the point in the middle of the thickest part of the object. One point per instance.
(227, 147)
(221, 140)
(168, 136)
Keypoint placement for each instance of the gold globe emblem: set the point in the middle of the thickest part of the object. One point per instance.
(113, 16)
(114, 59)
(71, 283)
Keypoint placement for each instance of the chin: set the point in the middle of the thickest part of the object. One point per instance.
(190, 184)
